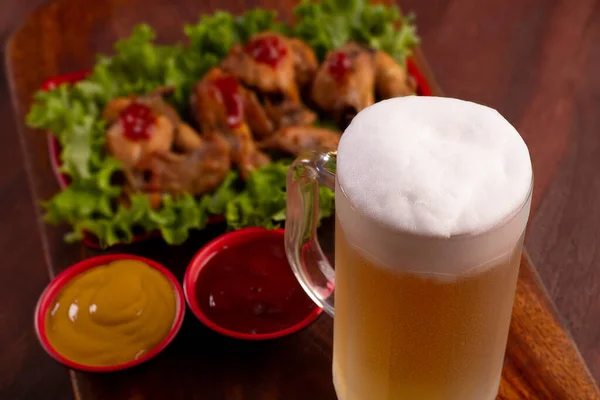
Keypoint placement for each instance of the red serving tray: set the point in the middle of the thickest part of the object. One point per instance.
(91, 240)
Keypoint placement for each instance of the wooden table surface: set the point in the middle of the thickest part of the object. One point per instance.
(533, 60)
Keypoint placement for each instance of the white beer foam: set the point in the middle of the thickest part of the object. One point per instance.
(434, 183)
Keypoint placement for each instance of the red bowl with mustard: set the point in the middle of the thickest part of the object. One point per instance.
(109, 313)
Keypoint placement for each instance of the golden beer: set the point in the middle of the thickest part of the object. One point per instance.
(432, 198)
(409, 336)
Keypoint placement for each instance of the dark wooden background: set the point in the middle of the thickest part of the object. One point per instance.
(536, 61)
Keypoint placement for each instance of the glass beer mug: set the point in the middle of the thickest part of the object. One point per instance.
(418, 316)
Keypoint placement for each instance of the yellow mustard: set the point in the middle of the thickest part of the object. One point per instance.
(111, 314)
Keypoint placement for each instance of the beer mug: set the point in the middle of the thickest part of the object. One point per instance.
(423, 290)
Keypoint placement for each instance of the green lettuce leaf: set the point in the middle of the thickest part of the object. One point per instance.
(260, 202)
(259, 20)
(329, 24)
(263, 201)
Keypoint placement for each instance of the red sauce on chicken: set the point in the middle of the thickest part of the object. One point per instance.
(267, 50)
(339, 64)
(251, 288)
(228, 90)
(136, 120)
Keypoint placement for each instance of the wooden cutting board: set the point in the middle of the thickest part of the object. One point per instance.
(542, 361)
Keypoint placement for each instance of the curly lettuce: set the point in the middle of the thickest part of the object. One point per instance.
(328, 24)
(73, 114)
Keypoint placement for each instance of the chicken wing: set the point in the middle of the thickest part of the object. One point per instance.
(345, 82)
(187, 139)
(196, 172)
(244, 152)
(150, 112)
(296, 139)
(274, 66)
(218, 103)
(391, 78)
(305, 61)
(287, 113)
(266, 63)
(158, 137)
(210, 108)
(256, 116)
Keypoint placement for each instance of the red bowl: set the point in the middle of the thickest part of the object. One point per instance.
(54, 287)
(230, 243)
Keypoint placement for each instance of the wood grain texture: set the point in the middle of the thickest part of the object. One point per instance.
(542, 362)
(24, 366)
(536, 336)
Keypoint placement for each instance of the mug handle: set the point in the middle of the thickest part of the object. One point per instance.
(304, 253)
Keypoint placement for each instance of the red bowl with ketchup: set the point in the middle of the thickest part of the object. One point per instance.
(241, 285)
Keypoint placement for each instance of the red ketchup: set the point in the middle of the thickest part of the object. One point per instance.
(228, 93)
(267, 50)
(252, 289)
(339, 64)
(137, 119)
